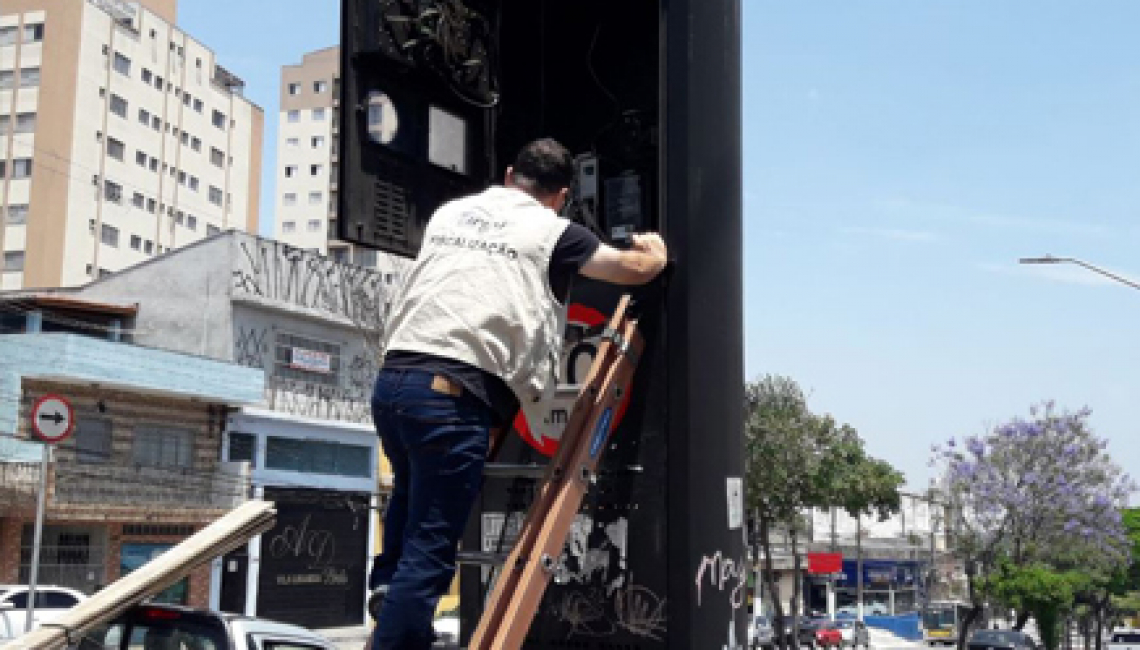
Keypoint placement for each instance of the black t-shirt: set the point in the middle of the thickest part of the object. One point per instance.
(574, 248)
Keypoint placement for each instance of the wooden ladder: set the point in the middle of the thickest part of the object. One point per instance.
(514, 600)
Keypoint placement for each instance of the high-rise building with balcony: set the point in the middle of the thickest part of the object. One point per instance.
(121, 138)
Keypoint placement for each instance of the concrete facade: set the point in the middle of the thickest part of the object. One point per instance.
(311, 324)
(146, 145)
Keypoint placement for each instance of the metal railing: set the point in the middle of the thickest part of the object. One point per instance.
(76, 567)
(81, 483)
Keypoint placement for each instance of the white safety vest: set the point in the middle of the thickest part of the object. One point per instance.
(479, 292)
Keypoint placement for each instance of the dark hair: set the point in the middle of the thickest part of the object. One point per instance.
(544, 167)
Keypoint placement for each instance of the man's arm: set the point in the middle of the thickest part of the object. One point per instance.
(636, 265)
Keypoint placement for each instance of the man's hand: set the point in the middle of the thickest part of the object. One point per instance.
(651, 244)
(638, 264)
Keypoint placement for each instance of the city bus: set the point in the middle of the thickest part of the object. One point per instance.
(942, 620)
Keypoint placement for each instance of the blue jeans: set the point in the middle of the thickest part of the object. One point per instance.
(437, 444)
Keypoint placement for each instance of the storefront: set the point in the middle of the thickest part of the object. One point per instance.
(890, 587)
(310, 569)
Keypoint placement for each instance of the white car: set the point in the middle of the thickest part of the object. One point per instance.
(172, 627)
(50, 602)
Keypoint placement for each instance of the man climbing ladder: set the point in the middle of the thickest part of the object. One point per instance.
(474, 334)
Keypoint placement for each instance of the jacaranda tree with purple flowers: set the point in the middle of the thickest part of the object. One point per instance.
(1032, 492)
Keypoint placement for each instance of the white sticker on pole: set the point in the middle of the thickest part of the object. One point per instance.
(735, 502)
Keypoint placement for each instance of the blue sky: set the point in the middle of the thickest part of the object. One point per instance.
(899, 157)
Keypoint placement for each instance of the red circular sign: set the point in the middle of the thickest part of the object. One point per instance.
(546, 436)
(53, 419)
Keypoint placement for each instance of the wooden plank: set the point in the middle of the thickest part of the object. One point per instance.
(220, 537)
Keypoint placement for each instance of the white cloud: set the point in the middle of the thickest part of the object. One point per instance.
(996, 220)
(893, 234)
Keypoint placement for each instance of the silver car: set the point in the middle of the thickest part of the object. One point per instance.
(171, 627)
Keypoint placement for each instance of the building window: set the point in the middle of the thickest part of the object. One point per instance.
(122, 64)
(7, 79)
(118, 105)
(151, 206)
(305, 359)
(133, 555)
(215, 195)
(144, 117)
(33, 33)
(158, 82)
(147, 76)
(218, 119)
(109, 235)
(289, 198)
(148, 247)
(8, 35)
(181, 177)
(317, 457)
(179, 217)
(191, 222)
(13, 260)
(138, 200)
(292, 142)
(29, 77)
(156, 123)
(217, 157)
(318, 115)
(290, 171)
(288, 226)
(195, 144)
(187, 100)
(25, 123)
(152, 164)
(115, 149)
(318, 141)
(320, 86)
(140, 158)
(315, 170)
(21, 168)
(314, 225)
(112, 191)
(365, 257)
(17, 215)
(185, 139)
(243, 447)
(162, 447)
(316, 198)
(294, 89)
(5, 124)
(294, 116)
(194, 183)
(198, 105)
(212, 230)
(136, 242)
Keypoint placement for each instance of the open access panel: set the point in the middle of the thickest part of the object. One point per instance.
(437, 96)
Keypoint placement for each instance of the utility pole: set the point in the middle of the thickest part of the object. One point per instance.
(859, 563)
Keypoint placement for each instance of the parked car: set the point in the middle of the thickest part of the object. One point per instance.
(854, 633)
(172, 627)
(1124, 639)
(50, 602)
(1001, 640)
(760, 633)
(820, 633)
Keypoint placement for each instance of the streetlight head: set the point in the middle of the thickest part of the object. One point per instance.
(1048, 259)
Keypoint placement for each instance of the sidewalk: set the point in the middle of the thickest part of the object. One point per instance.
(355, 636)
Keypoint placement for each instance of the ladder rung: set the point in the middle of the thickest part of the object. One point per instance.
(514, 470)
(481, 557)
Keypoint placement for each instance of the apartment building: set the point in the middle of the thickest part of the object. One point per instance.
(307, 158)
(121, 138)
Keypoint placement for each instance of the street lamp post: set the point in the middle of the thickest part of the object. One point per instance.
(1049, 259)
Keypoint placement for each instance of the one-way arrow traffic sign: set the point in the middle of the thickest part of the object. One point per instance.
(52, 419)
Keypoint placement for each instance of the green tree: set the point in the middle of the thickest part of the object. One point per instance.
(796, 460)
(1038, 589)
